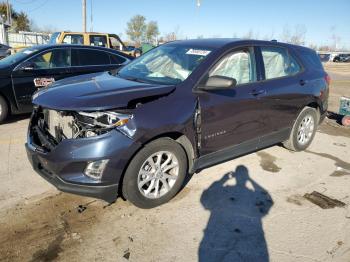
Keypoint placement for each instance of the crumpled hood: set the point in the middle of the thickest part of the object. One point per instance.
(99, 91)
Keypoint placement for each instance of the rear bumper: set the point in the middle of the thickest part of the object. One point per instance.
(105, 192)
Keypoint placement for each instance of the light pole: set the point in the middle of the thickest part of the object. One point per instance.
(84, 15)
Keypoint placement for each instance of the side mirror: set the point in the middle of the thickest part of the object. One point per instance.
(219, 83)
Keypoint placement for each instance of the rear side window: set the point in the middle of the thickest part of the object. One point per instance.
(278, 62)
(98, 40)
(89, 57)
(311, 59)
(238, 65)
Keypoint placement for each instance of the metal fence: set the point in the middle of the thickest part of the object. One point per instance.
(27, 39)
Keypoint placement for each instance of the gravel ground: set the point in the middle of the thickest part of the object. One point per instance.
(249, 209)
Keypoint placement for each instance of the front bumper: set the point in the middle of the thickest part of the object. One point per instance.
(107, 192)
(64, 165)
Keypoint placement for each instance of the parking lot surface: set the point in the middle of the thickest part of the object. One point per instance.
(252, 208)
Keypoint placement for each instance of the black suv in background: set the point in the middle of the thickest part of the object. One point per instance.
(23, 73)
(179, 108)
(342, 58)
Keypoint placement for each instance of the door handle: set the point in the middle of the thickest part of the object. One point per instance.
(258, 92)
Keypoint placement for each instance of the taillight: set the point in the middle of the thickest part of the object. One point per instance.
(328, 79)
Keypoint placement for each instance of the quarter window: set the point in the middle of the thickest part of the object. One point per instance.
(278, 62)
(73, 39)
(56, 58)
(238, 65)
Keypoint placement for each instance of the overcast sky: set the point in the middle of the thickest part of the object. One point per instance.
(219, 18)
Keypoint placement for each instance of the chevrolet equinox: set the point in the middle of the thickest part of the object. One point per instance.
(138, 131)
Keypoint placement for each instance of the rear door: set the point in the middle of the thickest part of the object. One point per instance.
(86, 60)
(286, 88)
(39, 71)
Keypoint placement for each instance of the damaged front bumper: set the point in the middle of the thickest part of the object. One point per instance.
(63, 164)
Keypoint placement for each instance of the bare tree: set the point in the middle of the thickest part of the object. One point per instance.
(286, 34)
(296, 37)
(172, 36)
(325, 48)
(313, 46)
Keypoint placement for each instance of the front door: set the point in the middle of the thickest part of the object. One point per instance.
(230, 117)
(38, 72)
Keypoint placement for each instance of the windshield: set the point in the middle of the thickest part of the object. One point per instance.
(20, 55)
(168, 64)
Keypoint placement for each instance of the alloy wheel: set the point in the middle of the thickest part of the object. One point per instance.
(306, 129)
(158, 174)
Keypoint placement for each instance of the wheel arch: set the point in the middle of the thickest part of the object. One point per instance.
(316, 106)
(178, 137)
(183, 140)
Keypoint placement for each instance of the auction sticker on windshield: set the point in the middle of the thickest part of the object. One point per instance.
(198, 52)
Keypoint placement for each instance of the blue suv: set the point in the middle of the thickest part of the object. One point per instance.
(140, 130)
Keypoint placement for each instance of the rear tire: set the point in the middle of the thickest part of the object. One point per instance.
(4, 109)
(147, 183)
(303, 130)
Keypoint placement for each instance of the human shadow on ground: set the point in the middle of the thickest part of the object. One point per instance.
(234, 231)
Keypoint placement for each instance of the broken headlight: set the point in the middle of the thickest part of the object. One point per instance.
(98, 122)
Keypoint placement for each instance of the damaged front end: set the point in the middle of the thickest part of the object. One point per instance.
(50, 127)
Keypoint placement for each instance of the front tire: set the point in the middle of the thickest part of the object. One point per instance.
(303, 131)
(156, 173)
(4, 110)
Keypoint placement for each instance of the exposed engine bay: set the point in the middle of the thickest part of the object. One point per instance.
(51, 126)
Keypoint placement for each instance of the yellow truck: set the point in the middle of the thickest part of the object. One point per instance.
(94, 39)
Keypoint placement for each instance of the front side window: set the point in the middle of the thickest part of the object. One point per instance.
(278, 62)
(238, 65)
(56, 58)
(166, 64)
(98, 40)
(73, 39)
